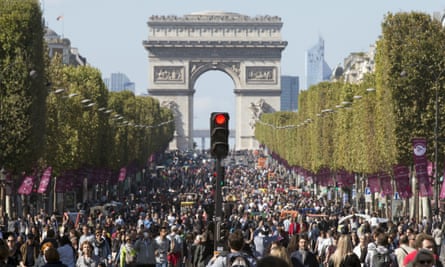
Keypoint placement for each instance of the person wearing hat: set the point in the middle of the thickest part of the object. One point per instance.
(29, 251)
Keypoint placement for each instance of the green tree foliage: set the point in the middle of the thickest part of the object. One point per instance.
(22, 84)
(370, 131)
(409, 69)
(79, 123)
(90, 127)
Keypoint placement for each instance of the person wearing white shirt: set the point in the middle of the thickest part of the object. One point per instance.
(361, 249)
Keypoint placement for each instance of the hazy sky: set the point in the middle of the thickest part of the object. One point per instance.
(109, 33)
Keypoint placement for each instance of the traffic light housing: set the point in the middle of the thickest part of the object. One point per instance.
(219, 134)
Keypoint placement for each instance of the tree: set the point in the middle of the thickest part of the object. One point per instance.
(22, 84)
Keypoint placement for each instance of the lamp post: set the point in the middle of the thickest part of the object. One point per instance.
(436, 140)
(436, 143)
(2, 191)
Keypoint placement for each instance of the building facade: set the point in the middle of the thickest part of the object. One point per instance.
(62, 46)
(290, 87)
(356, 65)
(248, 49)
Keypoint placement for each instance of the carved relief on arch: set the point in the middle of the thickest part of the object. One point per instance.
(261, 74)
(168, 74)
(197, 67)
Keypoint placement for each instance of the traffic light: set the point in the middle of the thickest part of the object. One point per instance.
(223, 176)
(219, 134)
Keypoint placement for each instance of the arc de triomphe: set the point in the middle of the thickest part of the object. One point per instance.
(248, 49)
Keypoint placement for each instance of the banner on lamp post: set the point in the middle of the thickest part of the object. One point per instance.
(442, 190)
(385, 184)
(420, 165)
(122, 174)
(401, 177)
(44, 181)
(373, 183)
(26, 186)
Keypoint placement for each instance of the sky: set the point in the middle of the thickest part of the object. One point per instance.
(109, 33)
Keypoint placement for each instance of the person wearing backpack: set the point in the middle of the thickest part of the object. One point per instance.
(381, 256)
(235, 257)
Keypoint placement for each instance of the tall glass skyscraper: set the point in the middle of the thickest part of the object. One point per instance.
(119, 82)
(290, 87)
(317, 70)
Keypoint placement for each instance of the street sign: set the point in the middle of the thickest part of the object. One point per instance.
(367, 191)
(368, 198)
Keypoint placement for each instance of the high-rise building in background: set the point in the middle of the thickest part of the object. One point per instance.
(317, 70)
(290, 88)
(119, 82)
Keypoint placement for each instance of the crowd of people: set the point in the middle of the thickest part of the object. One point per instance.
(154, 229)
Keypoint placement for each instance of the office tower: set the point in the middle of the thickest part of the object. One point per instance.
(317, 70)
(289, 93)
(119, 82)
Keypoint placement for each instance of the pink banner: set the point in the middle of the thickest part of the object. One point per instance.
(373, 183)
(420, 165)
(386, 185)
(61, 184)
(325, 177)
(340, 177)
(122, 174)
(26, 186)
(349, 180)
(401, 177)
(430, 169)
(345, 178)
(44, 181)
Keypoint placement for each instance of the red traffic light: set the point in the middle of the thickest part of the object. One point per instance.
(220, 119)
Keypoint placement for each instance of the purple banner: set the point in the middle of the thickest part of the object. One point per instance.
(386, 185)
(401, 177)
(345, 178)
(44, 181)
(326, 178)
(26, 186)
(373, 183)
(122, 174)
(421, 167)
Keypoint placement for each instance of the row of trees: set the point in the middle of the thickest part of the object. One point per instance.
(368, 127)
(63, 116)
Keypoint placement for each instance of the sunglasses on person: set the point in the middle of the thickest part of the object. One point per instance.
(426, 261)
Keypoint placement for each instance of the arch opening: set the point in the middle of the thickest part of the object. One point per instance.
(213, 92)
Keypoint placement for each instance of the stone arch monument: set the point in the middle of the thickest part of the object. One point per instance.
(248, 49)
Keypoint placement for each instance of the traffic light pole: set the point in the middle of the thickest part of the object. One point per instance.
(218, 206)
(219, 148)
